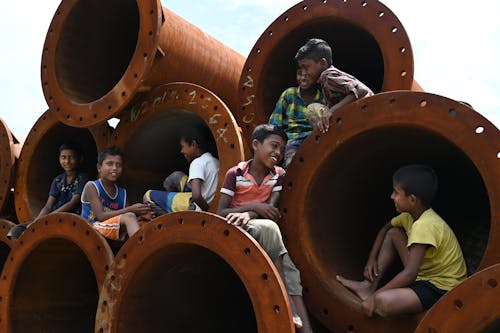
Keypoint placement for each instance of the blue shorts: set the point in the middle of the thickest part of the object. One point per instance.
(427, 293)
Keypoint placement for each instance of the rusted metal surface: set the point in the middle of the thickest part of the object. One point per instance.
(5, 243)
(472, 306)
(7, 162)
(366, 37)
(337, 193)
(146, 45)
(192, 272)
(52, 277)
(149, 132)
(38, 163)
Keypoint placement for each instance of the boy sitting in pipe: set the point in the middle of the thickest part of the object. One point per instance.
(290, 113)
(104, 203)
(432, 258)
(249, 197)
(193, 192)
(339, 88)
(65, 189)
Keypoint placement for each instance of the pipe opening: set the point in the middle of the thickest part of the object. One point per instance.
(96, 45)
(55, 290)
(44, 163)
(493, 327)
(185, 288)
(360, 171)
(152, 150)
(355, 51)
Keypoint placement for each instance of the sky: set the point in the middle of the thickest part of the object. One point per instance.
(456, 47)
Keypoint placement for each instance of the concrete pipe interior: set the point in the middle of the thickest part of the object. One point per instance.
(355, 51)
(342, 223)
(55, 290)
(95, 47)
(4, 253)
(44, 163)
(185, 288)
(152, 151)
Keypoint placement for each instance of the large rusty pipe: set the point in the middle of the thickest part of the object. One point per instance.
(192, 272)
(7, 163)
(38, 162)
(472, 306)
(343, 180)
(5, 243)
(150, 129)
(53, 275)
(366, 37)
(98, 55)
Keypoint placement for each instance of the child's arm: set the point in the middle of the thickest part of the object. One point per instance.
(276, 118)
(371, 267)
(242, 214)
(324, 121)
(91, 195)
(195, 185)
(51, 200)
(70, 205)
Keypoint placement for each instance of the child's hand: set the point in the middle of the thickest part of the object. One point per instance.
(267, 211)
(371, 270)
(323, 123)
(140, 209)
(240, 219)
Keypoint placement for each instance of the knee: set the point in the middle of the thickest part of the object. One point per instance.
(270, 227)
(128, 218)
(384, 303)
(394, 232)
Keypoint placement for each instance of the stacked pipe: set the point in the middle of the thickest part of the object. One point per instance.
(183, 270)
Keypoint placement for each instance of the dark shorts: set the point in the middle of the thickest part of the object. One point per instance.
(427, 293)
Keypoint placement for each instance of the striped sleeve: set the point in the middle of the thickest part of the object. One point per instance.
(229, 185)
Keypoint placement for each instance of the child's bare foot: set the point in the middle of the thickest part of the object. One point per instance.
(363, 289)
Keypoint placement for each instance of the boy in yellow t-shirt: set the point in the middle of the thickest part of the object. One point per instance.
(432, 258)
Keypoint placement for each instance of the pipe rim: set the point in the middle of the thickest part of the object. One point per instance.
(478, 296)
(199, 100)
(403, 108)
(65, 226)
(87, 114)
(5, 226)
(7, 161)
(210, 231)
(42, 126)
(385, 28)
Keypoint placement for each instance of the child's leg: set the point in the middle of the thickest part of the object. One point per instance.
(157, 200)
(395, 241)
(130, 221)
(397, 301)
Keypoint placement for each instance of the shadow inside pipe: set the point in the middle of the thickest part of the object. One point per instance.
(355, 51)
(44, 163)
(55, 290)
(95, 46)
(152, 150)
(4, 253)
(343, 223)
(185, 288)
(493, 327)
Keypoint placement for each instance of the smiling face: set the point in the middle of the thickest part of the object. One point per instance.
(69, 160)
(111, 168)
(311, 69)
(270, 151)
(303, 81)
(402, 201)
(189, 150)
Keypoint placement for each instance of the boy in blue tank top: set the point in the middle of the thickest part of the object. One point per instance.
(104, 203)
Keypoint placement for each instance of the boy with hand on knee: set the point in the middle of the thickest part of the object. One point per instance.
(432, 258)
(249, 197)
(104, 203)
(339, 88)
(65, 189)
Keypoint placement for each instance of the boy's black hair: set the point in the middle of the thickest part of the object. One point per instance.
(200, 134)
(315, 49)
(419, 180)
(111, 151)
(261, 132)
(71, 146)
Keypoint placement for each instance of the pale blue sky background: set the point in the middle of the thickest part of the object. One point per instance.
(456, 46)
